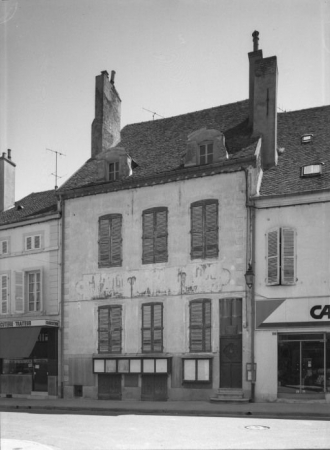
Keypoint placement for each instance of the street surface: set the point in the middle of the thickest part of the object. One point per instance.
(86, 432)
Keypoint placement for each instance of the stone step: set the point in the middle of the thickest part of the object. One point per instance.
(233, 393)
(227, 399)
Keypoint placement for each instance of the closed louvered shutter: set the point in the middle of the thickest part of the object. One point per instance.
(152, 327)
(115, 329)
(146, 328)
(288, 256)
(104, 324)
(273, 248)
(200, 326)
(154, 236)
(4, 294)
(19, 292)
(204, 229)
(110, 241)
(158, 328)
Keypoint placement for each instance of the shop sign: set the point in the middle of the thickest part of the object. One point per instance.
(29, 323)
(319, 311)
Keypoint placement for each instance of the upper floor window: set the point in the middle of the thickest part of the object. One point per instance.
(281, 256)
(4, 247)
(113, 171)
(28, 291)
(200, 325)
(204, 229)
(110, 240)
(4, 293)
(110, 329)
(152, 327)
(33, 242)
(206, 153)
(34, 290)
(154, 235)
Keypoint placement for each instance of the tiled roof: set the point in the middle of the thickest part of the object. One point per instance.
(157, 146)
(286, 177)
(35, 204)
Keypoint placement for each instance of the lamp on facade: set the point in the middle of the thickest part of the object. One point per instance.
(249, 275)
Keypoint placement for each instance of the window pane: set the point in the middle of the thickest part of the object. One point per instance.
(149, 365)
(110, 365)
(123, 365)
(99, 365)
(203, 370)
(135, 365)
(161, 365)
(189, 369)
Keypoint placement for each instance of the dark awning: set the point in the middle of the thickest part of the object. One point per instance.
(17, 342)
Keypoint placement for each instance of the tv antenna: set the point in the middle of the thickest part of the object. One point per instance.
(55, 174)
(153, 114)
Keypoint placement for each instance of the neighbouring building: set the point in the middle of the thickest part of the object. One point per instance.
(157, 240)
(30, 287)
(292, 262)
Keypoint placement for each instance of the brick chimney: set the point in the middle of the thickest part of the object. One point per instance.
(106, 124)
(7, 181)
(263, 102)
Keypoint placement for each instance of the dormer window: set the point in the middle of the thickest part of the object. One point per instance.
(113, 171)
(311, 170)
(206, 153)
(306, 138)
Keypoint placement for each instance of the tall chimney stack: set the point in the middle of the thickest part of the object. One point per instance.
(7, 181)
(253, 57)
(106, 124)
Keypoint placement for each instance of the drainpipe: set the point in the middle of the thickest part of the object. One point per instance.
(62, 297)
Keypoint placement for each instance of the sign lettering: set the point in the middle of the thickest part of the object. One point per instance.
(319, 311)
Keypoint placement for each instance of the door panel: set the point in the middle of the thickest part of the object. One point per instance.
(40, 375)
(231, 361)
(109, 387)
(154, 388)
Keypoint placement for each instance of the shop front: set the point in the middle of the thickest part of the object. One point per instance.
(29, 357)
(298, 331)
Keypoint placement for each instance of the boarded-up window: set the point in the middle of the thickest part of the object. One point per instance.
(110, 328)
(4, 294)
(204, 229)
(281, 256)
(152, 327)
(154, 237)
(200, 325)
(110, 240)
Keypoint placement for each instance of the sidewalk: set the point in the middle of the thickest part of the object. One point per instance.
(283, 410)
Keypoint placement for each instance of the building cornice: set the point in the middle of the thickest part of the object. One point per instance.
(294, 199)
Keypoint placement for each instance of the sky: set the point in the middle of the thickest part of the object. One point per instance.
(171, 57)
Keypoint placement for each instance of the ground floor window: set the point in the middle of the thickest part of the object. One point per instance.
(303, 363)
(196, 370)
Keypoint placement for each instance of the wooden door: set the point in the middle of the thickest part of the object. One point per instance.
(231, 361)
(40, 375)
(109, 387)
(154, 388)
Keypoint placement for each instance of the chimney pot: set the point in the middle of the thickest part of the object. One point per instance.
(255, 36)
(105, 72)
(113, 73)
(9, 153)
(3, 154)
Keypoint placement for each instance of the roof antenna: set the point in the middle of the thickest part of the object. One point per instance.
(154, 114)
(55, 174)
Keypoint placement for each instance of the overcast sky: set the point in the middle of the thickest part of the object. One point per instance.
(170, 57)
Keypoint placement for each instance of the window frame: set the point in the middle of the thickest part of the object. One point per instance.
(4, 276)
(196, 380)
(2, 243)
(152, 328)
(113, 171)
(160, 256)
(280, 258)
(33, 238)
(206, 347)
(110, 331)
(208, 153)
(112, 261)
(194, 231)
(311, 174)
(35, 291)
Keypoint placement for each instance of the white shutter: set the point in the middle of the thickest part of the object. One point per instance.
(19, 292)
(4, 294)
(273, 247)
(288, 256)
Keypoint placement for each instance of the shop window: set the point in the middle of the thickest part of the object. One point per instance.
(206, 153)
(196, 370)
(204, 229)
(4, 294)
(110, 329)
(110, 240)
(281, 256)
(152, 327)
(200, 325)
(154, 236)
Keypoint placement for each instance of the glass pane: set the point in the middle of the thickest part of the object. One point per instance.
(312, 367)
(148, 365)
(99, 365)
(110, 365)
(161, 365)
(289, 367)
(123, 365)
(135, 365)
(203, 369)
(189, 369)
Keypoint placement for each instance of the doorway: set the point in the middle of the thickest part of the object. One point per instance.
(302, 364)
(40, 375)
(154, 387)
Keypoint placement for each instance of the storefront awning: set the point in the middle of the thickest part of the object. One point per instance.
(18, 342)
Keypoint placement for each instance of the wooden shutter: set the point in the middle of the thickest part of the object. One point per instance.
(157, 328)
(200, 326)
(152, 327)
(207, 325)
(197, 231)
(104, 324)
(146, 328)
(104, 242)
(160, 243)
(115, 241)
(115, 329)
(211, 230)
(273, 259)
(4, 294)
(28, 243)
(37, 241)
(19, 292)
(287, 256)
(148, 238)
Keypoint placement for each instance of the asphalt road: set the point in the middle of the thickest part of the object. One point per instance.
(27, 431)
